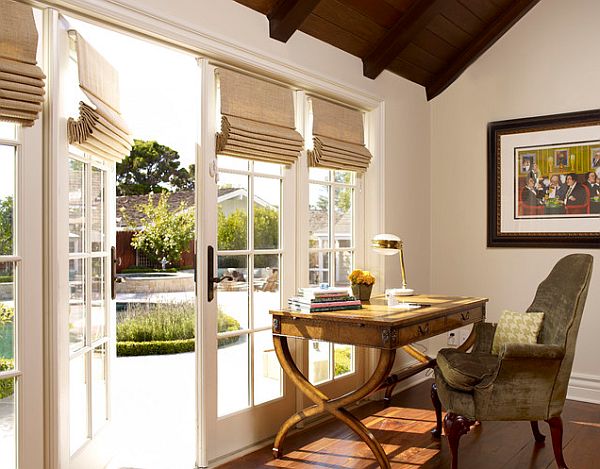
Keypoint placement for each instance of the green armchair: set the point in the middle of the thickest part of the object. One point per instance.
(524, 381)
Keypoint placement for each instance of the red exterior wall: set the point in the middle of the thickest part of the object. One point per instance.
(127, 257)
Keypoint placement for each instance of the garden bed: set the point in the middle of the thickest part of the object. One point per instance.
(164, 328)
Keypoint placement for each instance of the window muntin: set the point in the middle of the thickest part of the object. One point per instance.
(250, 259)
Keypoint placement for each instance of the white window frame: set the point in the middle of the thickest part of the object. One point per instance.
(26, 260)
(87, 256)
(285, 180)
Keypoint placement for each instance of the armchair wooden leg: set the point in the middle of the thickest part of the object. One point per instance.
(455, 426)
(437, 405)
(539, 436)
(556, 430)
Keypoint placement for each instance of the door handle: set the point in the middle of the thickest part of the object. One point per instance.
(211, 279)
(114, 278)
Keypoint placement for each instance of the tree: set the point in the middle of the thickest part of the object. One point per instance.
(6, 226)
(232, 234)
(343, 195)
(232, 230)
(152, 167)
(164, 233)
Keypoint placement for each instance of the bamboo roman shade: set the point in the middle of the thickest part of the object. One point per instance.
(257, 120)
(338, 137)
(21, 80)
(99, 129)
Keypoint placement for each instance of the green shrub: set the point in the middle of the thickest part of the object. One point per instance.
(7, 386)
(6, 314)
(342, 360)
(6, 278)
(160, 329)
(157, 322)
(6, 331)
(155, 347)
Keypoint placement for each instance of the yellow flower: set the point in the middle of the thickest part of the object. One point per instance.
(361, 277)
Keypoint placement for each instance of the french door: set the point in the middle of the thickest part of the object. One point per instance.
(83, 224)
(21, 426)
(248, 213)
(91, 309)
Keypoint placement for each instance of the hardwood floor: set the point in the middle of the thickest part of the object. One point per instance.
(404, 431)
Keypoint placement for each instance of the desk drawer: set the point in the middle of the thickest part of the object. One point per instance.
(464, 317)
(421, 331)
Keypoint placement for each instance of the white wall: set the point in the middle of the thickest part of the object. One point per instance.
(406, 111)
(547, 63)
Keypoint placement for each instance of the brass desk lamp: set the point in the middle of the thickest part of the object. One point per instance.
(388, 245)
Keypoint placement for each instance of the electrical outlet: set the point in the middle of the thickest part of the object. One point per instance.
(452, 339)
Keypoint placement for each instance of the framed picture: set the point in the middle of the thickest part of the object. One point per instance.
(595, 158)
(541, 192)
(561, 158)
(526, 162)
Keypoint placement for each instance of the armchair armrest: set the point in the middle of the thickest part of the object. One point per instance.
(535, 351)
(484, 336)
(536, 361)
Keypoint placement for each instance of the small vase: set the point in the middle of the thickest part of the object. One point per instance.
(362, 292)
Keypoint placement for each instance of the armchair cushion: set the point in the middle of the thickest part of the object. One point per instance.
(464, 371)
(517, 328)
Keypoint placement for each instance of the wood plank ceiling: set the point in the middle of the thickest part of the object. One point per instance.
(430, 42)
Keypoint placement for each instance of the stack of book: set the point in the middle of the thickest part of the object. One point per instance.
(313, 300)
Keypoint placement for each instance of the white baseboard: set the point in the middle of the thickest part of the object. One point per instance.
(584, 387)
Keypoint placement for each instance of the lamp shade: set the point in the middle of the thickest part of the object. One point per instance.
(386, 244)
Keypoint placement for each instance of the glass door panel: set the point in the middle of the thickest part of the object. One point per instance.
(89, 303)
(249, 258)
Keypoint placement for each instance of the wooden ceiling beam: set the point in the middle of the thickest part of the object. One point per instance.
(479, 45)
(287, 16)
(416, 18)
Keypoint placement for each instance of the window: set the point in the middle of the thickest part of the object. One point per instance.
(10, 312)
(331, 251)
(250, 260)
(88, 298)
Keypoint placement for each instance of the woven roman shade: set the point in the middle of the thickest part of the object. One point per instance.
(338, 137)
(99, 129)
(21, 80)
(257, 120)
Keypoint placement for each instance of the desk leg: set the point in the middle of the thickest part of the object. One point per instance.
(425, 362)
(334, 406)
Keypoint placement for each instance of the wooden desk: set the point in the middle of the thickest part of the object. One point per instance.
(376, 326)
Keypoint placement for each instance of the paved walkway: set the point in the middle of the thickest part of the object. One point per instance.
(7, 433)
(154, 411)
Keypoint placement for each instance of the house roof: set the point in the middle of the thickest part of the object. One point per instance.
(127, 205)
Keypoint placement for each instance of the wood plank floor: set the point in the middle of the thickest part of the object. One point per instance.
(403, 429)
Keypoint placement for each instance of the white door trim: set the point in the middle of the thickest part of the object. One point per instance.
(55, 239)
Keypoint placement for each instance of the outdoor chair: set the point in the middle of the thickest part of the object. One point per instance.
(524, 381)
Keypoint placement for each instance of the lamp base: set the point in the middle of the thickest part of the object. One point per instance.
(400, 291)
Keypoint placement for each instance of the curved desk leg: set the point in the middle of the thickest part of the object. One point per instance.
(334, 406)
(365, 435)
(417, 355)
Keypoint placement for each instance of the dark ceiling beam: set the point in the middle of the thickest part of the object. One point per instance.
(287, 16)
(479, 45)
(416, 18)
